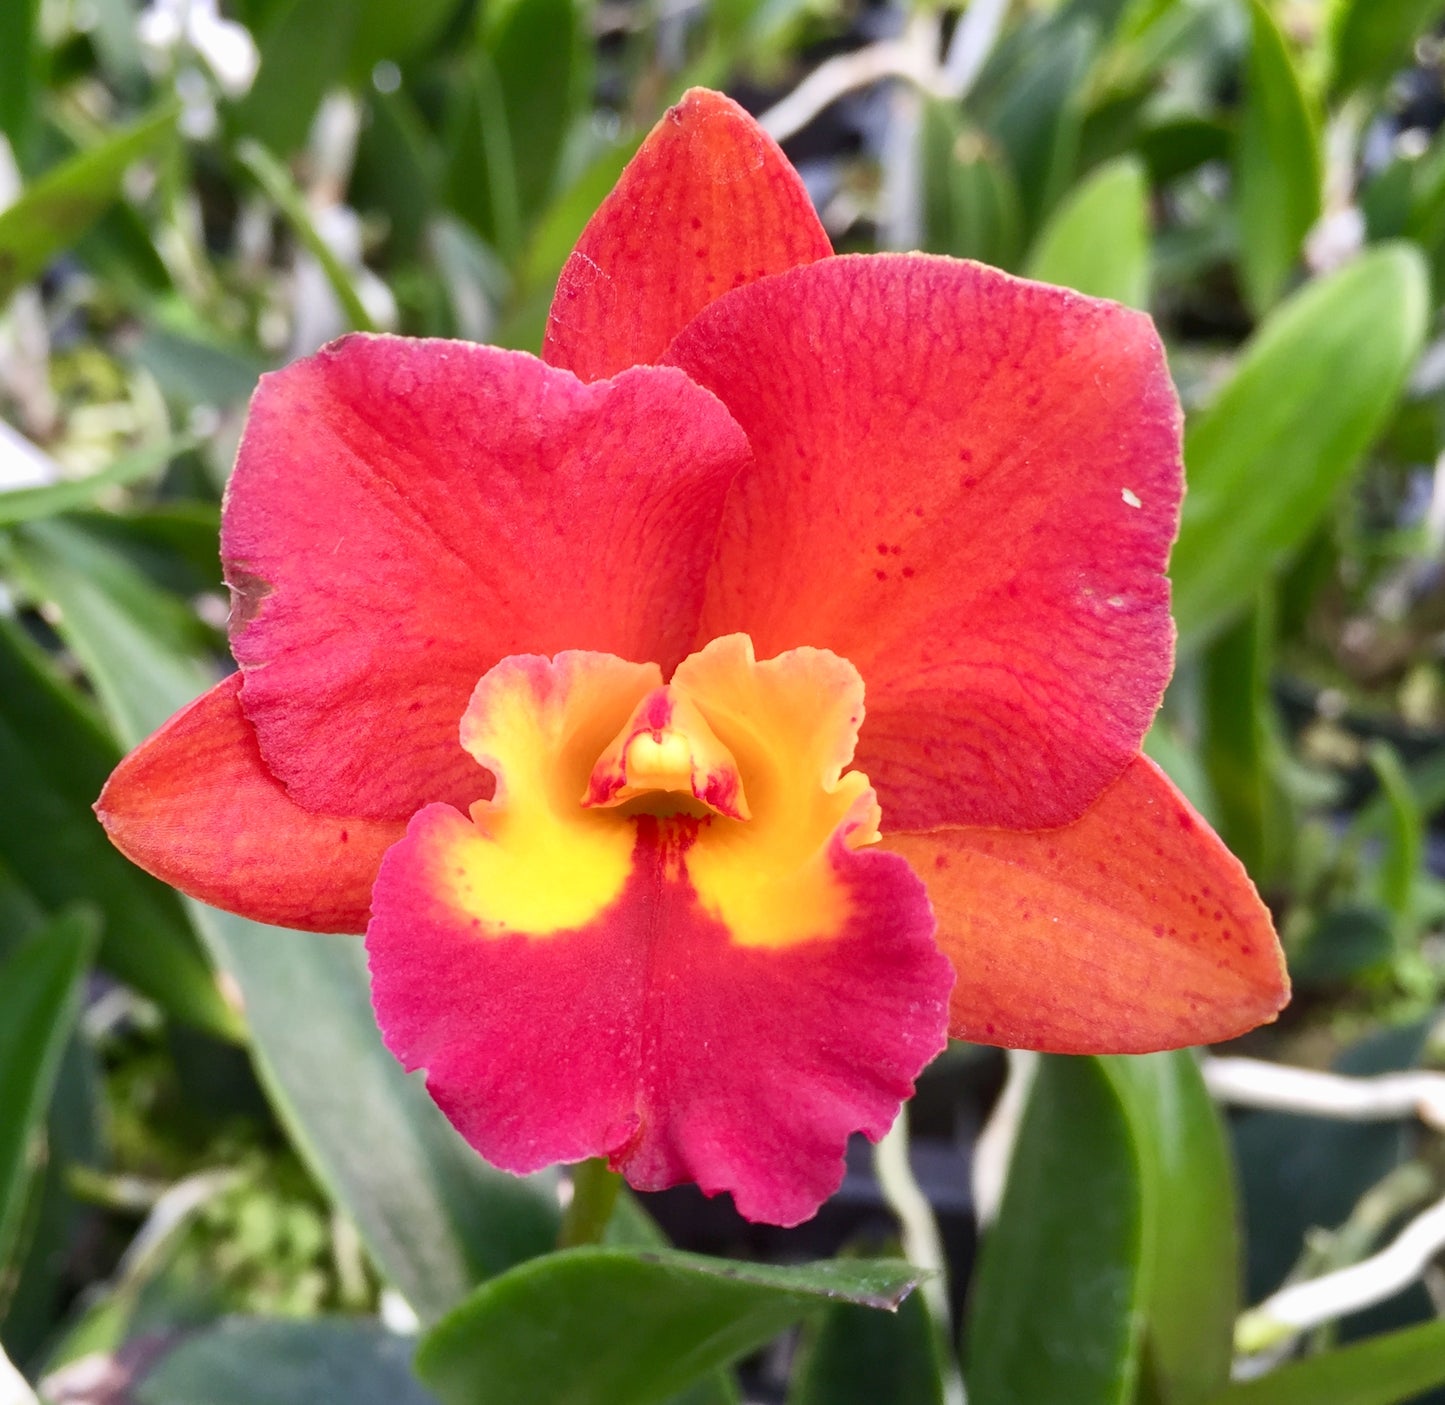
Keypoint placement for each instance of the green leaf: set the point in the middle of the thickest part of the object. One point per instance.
(1177, 145)
(855, 1356)
(602, 1326)
(1401, 863)
(51, 214)
(1385, 1370)
(25, 504)
(971, 207)
(524, 84)
(1061, 1278)
(1036, 111)
(309, 47)
(111, 615)
(387, 30)
(304, 53)
(195, 371)
(1342, 945)
(40, 990)
(55, 758)
(1239, 741)
(1191, 1257)
(1313, 388)
(1097, 241)
(1277, 168)
(435, 1217)
(1120, 1199)
(1372, 39)
(252, 1361)
(398, 169)
(20, 54)
(273, 177)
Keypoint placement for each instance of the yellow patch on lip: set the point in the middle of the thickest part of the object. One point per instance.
(536, 862)
(792, 723)
(582, 744)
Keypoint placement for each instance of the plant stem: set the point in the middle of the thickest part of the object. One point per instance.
(594, 1193)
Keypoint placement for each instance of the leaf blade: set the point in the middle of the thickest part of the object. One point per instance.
(1072, 1216)
(52, 213)
(40, 990)
(1312, 389)
(630, 1327)
(1278, 166)
(1097, 240)
(1385, 1370)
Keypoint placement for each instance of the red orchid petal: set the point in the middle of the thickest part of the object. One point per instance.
(649, 1036)
(967, 485)
(405, 513)
(572, 993)
(196, 806)
(1130, 930)
(708, 203)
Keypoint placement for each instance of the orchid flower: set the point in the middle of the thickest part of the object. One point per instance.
(708, 718)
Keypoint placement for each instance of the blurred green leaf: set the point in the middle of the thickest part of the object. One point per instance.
(1239, 741)
(599, 1326)
(1385, 1370)
(1181, 762)
(1312, 389)
(309, 47)
(53, 212)
(971, 204)
(1277, 166)
(304, 53)
(396, 32)
(1120, 1199)
(1097, 240)
(1032, 104)
(1072, 1218)
(856, 1356)
(194, 371)
(136, 642)
(523, 87)
(40, 1282)
(398, 169)
(40, 998)
(55, 756)
(1190, 1238)
(436, 1218)
(273, 177)
(252, 1361)
(1372, 39)
(24, 504)
(1173, 147)
(1404, 851)
(1346, 942)
(20, 53)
